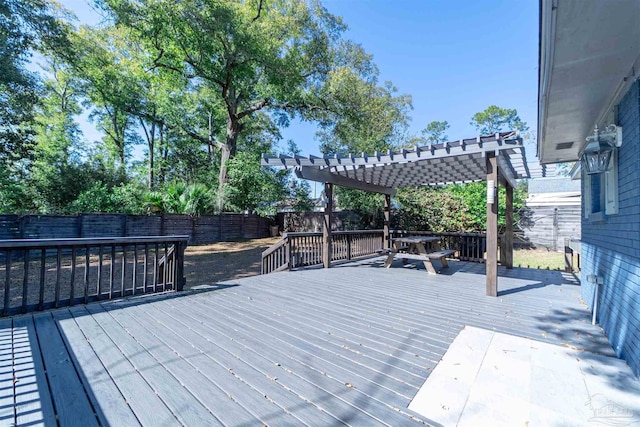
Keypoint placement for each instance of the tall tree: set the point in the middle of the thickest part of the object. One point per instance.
(24, 26)
(57, 174)
(362, 115)
(495, 119)
(435, 131)
(254, 54)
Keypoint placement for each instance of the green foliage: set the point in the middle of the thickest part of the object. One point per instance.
(367, 205)
(461, 208)
(252, 187)
(474, 197)
(362, 117)
(495, 119)
(435, 132)
(24, 25)
(191, 199)
(100, 198)
(434, 209)
(247, 56)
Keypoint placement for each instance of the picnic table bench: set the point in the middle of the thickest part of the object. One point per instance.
(415, 247)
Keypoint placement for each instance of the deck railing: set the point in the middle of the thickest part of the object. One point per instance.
(305, 249)
(468, 246)
(46, 273)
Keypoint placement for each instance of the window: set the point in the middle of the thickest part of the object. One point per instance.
(601, 192)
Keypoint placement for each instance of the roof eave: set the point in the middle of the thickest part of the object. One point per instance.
(588, 50)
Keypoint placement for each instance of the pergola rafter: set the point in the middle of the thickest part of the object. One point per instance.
(498, 158)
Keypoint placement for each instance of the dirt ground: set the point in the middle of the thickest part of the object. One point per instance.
(219, 262)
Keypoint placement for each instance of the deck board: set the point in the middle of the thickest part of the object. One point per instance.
(33, 401)
(70, 400)
(345, 346)
(308, 381)
(258, 373)
(145, 403)
(110, 405)
(7, 395)
(242, 397)
(152, 366)
(185, 363)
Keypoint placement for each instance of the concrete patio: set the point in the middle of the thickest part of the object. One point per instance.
(351, 345)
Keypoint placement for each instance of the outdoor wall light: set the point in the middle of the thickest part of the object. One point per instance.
(597, 154)
(491, 192)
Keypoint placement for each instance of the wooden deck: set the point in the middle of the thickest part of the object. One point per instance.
(346, 346)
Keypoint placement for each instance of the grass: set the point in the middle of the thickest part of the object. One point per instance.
(538, 258)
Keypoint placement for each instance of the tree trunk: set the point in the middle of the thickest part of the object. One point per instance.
(227, 151)
(163, 156)
(225, 154)
(151, 149)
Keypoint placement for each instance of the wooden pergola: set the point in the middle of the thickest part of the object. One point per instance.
(497, 159)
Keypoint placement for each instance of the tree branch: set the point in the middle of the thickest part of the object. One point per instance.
(259, 11)
(255, 107)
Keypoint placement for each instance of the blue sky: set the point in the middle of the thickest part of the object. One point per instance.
(453, 57)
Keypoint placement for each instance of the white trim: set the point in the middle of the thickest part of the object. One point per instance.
(547, 47)
(586, 196)
(611, 186)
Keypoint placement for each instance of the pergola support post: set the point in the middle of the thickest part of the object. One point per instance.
(508, 232)
(326, 226)
(492, 225)
(387, 222)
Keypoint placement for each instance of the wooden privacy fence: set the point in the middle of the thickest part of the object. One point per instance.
(199, 229)
(48, 273)
(305, 249)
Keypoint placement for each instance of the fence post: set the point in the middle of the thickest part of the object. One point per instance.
(287, 255)
(349, 246)
(568, 256)
(179, 267)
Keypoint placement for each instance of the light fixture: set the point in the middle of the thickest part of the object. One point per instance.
(597, 154)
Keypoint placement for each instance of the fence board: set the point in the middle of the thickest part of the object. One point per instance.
(201, 230)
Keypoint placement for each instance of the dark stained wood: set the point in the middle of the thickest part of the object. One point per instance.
(58, 272)
(87, 265)
(508, 232)
(25, 280)
(204, 229)
(326, 226)
(303, 249)
(43, 264)
(99, 282)
(72, 290)
(7, 282)
(145, 268)
(112, 270)
(492, 226)
(326, 177)
(386, 236)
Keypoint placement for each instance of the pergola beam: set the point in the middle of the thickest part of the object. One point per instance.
(507, 174)
(504, 141)
(313, 174)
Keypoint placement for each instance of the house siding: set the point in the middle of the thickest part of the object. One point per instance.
(611, 248)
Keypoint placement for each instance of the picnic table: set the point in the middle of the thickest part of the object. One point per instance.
(423, 248)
